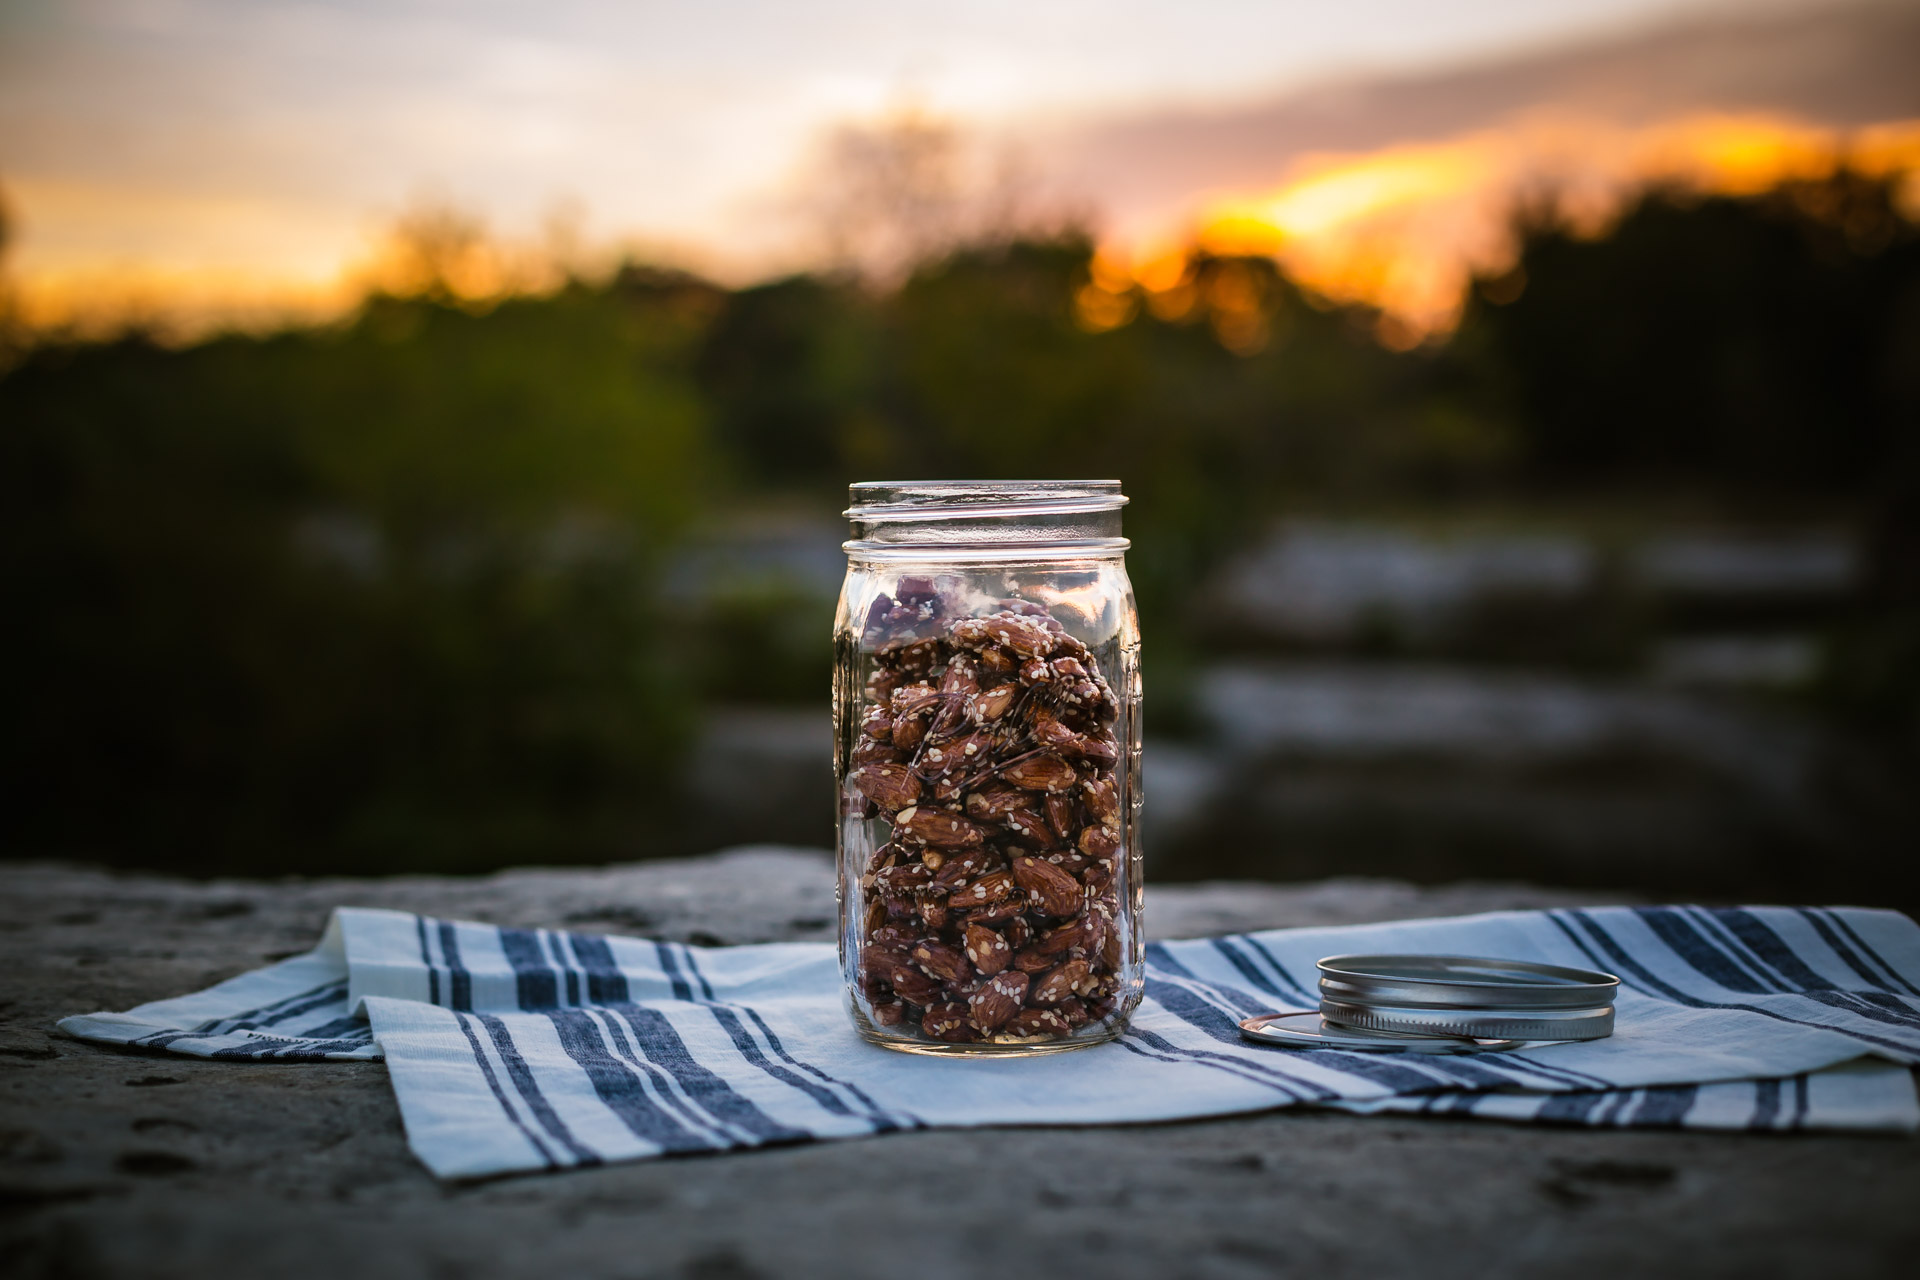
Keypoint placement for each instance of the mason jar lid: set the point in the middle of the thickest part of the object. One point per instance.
(883, 501)
(1469, 996)
(1311, 1030)
(985, 519)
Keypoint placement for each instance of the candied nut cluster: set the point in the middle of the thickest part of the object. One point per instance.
(992, 913)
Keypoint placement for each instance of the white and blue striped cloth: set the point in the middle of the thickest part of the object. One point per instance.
(523, 1049)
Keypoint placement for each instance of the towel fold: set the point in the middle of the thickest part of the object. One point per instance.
(525, 1049)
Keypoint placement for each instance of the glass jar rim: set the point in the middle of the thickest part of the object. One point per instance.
(1088, 551)
(887, 501)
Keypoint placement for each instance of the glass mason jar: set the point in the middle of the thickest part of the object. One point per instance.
(987, 717)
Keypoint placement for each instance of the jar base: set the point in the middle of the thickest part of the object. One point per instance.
(1089, 1037)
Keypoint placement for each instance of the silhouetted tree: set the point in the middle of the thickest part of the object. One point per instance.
(1756, 343)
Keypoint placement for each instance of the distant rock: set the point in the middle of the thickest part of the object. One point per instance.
(1324, 582)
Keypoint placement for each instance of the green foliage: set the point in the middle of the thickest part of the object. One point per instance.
(377, 594)
(1758, 343)
(1761, 349)
(977, 366)
(761, 641)
(787, 366)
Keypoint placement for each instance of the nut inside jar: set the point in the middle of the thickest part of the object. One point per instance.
(992, 910)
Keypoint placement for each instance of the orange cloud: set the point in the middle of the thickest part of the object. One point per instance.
(180, 266)
(177, 303)
(1405, 229)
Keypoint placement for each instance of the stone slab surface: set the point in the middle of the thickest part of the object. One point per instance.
(122, 1164)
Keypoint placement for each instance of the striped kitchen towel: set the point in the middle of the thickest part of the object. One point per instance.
(521, 1049)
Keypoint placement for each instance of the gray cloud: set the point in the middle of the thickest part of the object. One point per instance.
(1835, 65)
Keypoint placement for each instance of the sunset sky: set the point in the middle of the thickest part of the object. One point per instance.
(236, 152)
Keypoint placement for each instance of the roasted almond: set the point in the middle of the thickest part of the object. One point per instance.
(1026, 637)
(1032, 960)
(908, 732)
(933, 910)
(945, 962)
(877, 724)
(879, 962)
(867, 751)
(971, 633)
(1044, 772)
(895, 937)
(958, 992)
(1032, 828)
(993, 800)
(881, 684)
(902, 880)
(891, 786)
(988, 950)
(915, 655)
(1050, 731)
(1098, 751)
(1061, 983)
(1103, 801)
(989, 888)
(1070, 861)
(1096, 927)
(1066, 646)
(997, 1000)
(964, 865)
(962, 755)
(990, 704)
(1083, 695)
(941, 828)
(1009, 910)
(948, 1021)
(911, 984)
(1052, 890)
(912, 700)
(1062, 814)
(1098, 841)
(957, 686)
(1061, 939)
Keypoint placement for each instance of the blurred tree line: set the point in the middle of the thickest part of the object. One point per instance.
(386, 594)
